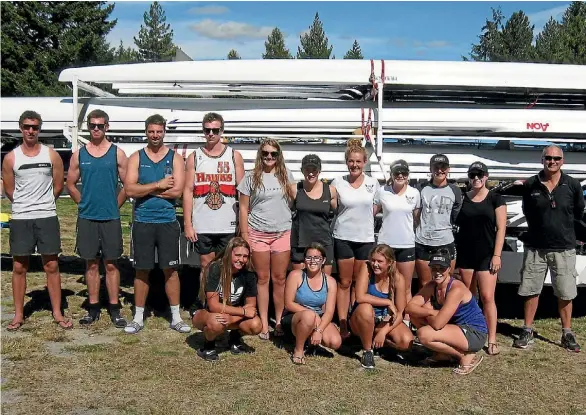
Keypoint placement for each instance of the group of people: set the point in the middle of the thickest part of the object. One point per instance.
(249, 226)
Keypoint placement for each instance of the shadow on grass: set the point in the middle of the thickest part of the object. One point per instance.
(196, 341)
(40, 300)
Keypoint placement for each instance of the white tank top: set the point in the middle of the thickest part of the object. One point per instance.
(33, 185)
(214, 192)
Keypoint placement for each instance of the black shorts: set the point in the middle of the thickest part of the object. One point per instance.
(347, 249)
(297, 255)
(160, 239)
(424, 252)
(212, 242)
(475, 337)
(404, 254)
(470, 260)
(99, 238)
(28, 234)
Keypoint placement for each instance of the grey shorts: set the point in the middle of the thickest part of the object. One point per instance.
(28, 235)
(475, 337)
(99, 238)
(562, 268)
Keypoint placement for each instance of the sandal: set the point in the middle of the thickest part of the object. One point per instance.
(65, 323)
(278, 331)
(181, 327)
(297, 360)
(264, 336)
(492, 349)
(467, 369)
(15, 325)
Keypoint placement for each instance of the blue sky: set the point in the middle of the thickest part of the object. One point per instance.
(384, 30)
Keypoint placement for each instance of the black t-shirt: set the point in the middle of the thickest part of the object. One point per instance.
(243, 284)
(477, 225)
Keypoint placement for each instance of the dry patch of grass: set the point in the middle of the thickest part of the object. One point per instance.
(101, 370)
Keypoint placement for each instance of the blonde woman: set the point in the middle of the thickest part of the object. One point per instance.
(377, 316)
(354, 225)
(265, 223)
(228, 273)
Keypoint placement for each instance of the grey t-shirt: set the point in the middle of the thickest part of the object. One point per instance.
(439, 208)
(268, 206)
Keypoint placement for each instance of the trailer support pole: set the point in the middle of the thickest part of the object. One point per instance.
(379, 130)
(75, 125)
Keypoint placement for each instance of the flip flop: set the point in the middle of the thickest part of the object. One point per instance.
(298, 360)
(278, 331)
(492, 349)
(14, 326)
(264, 336)
(65, 324)
(467, 369)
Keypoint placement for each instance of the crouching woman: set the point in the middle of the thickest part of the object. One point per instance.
(230, 272)
(448, 318)
(310, 301)
(377, 315)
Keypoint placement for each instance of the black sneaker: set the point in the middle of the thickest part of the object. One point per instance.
(209, 355)
(524, 339)
(569, 342)
(236, 344)
(367, 360)
(92, 316)
(115, 317)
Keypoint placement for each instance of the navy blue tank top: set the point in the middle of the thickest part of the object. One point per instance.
(468, 313)
(152, 209)
(99, 185)
(379, 311)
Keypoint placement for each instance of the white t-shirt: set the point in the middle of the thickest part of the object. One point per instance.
(355, 221)
(397, 228)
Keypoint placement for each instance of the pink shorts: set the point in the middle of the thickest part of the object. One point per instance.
(269, 241)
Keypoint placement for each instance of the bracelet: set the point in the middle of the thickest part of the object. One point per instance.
(243, 312)
(318, 330)
(497, 255)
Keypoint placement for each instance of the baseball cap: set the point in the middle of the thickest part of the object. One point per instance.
(399, 166)
(478, 166)
(439, 159)
(440, 259)
(311, 160)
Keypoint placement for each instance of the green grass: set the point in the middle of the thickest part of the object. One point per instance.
(101, 370)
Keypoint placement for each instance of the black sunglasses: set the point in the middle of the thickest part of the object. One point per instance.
(274, 154)
(472, 176)
(93, 126)
(26, 127)
(554, 158)
(403, 173)
(216, 131)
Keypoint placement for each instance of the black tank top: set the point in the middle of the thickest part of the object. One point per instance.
(311, 220)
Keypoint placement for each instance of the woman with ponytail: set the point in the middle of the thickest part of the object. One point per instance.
(230, 272)
(354, 225)
(377, 315)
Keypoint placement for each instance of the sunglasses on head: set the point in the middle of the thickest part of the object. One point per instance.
(215, 131)
(273, 154)
(27, 127)
(93, 126)
(473, 175)
(552, 158)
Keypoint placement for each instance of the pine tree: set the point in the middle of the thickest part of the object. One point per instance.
(155, 37)
(550, 46)
(355, 52)
(574, 32)
(125, 55)
(314, 45)
(233, 54)
(275, 46)
(490, 47)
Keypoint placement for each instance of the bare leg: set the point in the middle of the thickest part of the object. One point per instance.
(487, 284)
(51, 267)
(530, 308)
(362, 323)
(450, 340)
(250, 326)
(141, 287)
(466, 275)
(112, 281)
(279, 263)
(406, 269)
(565, 309)
(92, 277)
(262, 264)
(19, 269)
(302, 326)
(331, 337)
(172, 285)
(345, 272)
(206, 322)
(400, 338)
(423, 272)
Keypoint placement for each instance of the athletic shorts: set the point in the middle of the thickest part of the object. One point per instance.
(28, 236)
(162, 238)
(347, 249)
(562, 268)
(476, 338)
(404, 254)
(99, 238)
(467, 260)
(298, 257)
(273, 242)
(424, 252)
(212, 242)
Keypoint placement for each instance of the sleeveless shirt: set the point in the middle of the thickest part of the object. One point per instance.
(99, 185)
(33, 185)
(153, 209)
(311, 221)
(214, 192)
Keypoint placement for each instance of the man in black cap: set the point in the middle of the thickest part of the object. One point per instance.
(552, 200)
